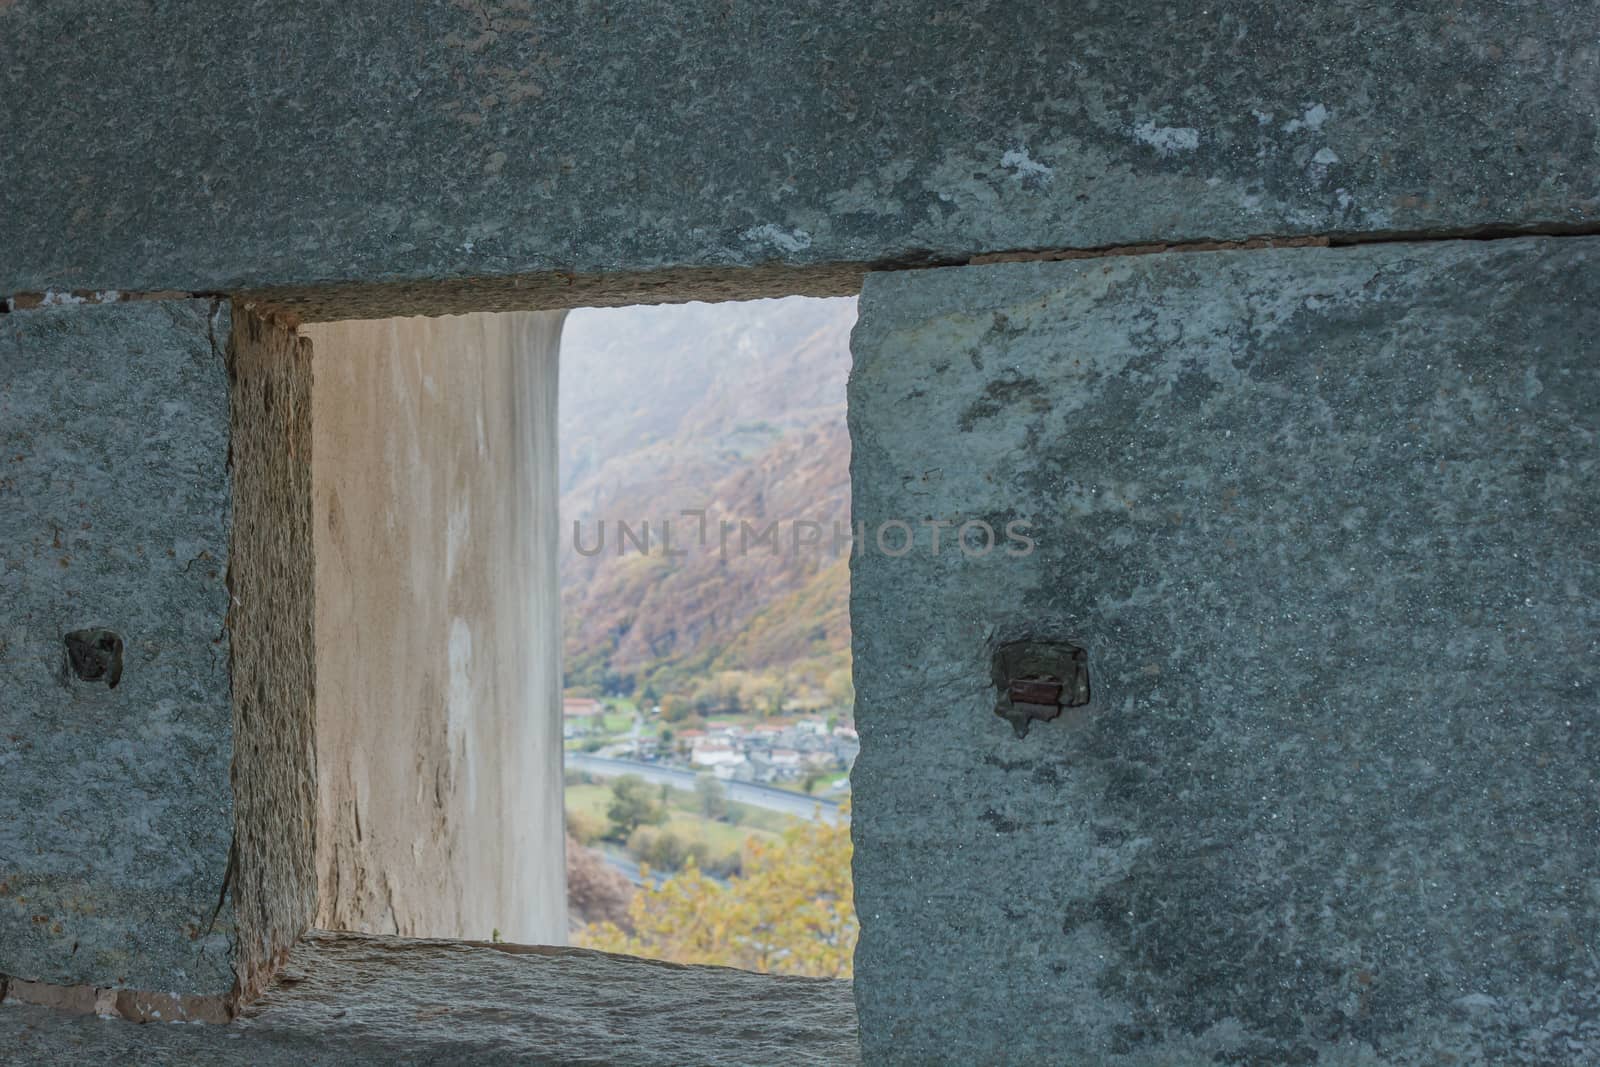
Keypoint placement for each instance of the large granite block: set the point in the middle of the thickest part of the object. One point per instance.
(157, 763)
(505, 153)
(116, 810)
(1324, 523)
(272, 627)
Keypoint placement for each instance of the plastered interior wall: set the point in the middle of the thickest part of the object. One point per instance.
(438, 705)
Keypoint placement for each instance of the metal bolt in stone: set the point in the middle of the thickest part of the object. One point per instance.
(1036, 680)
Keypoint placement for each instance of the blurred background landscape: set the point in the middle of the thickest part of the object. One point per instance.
(707, 713)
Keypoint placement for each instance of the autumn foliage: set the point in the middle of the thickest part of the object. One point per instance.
(790, 912)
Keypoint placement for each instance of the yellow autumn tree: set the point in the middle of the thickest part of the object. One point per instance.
(791, 912)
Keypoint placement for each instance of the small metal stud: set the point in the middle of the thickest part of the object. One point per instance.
(1036, 680)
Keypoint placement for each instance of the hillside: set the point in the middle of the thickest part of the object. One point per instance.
(737, 409)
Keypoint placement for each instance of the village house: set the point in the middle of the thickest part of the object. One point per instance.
(581, 708)
(713, 752)
(580, 716)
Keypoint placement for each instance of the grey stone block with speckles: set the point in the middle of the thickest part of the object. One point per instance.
(397, 1002)
(116, 808)
(1325, 522)
(178, 145)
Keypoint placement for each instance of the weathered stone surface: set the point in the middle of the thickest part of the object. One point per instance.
(271, 623)
(353, 1000)
(177, 145)
(438, 660)
(136, 1005)
(1324, 522)
(115, 803)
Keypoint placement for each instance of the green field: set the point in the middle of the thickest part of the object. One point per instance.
(591, 800)
(685, 818)
(718, 837)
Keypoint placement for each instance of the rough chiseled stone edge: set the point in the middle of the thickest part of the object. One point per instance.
(551, 291)
(559, 291)
(272, 624)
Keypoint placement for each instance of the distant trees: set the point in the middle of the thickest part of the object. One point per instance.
(616, 683)
(791, 910)
(840, 688)
(582, 827)
(719, 694)
(713, 796)
(662, 849)
(819, 682)
(659, 849)
(634, 803)
(775, 691)
(596, 891)
(765, 692)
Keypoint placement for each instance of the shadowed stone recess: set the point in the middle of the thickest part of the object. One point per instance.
(174, 145)
(1323, 521)
(271, 622)
(115, 516)
(352, 999)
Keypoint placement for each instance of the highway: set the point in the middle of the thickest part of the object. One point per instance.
(759, 796)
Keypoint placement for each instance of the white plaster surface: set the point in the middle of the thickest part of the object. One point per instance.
(438, 742)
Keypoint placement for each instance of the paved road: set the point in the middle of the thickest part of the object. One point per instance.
(622, 861)
(627, 865)
(760, 796)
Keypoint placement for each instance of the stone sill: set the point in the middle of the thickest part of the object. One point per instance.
(350, 998)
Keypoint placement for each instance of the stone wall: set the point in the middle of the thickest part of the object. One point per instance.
(134, 747)
(1322, 521)
(436, 158)
(1318, 518)
(116, 812)
(386, 1000)
(438, 722)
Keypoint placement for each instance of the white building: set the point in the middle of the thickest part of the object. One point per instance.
(713, 752)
